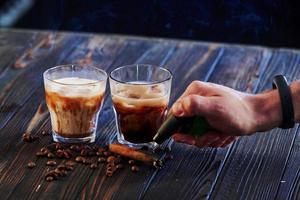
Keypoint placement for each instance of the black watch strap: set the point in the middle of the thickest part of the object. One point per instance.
(280, 83)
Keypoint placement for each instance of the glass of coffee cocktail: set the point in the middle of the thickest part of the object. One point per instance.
(74, 96)
(140, 95)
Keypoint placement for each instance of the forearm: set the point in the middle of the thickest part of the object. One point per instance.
(267, 111)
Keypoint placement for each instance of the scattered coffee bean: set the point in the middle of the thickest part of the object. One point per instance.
(101, 160)
(79, 159)
(75, 148)
(44, 150)
(61, 167)
(66, 154)
(84, 152)
(27, 137)
(49, 178)
(111, 159)
(135, 168)
(93, 166)
(40, 154)
(60, 153)
(50, 155)
(51, 163)
(31, 164)
(131, 162)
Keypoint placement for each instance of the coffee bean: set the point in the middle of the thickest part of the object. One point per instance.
(60, 153)
(51, 163)
(49, 178)
(31, 164)
(93, 166)
(50, 155)
(44, 150)
(40, 154)
(79, 159)
(84, 152)
(111, 159)
(131, 162)
(75, 148)
(66, 154)
(119, 166)
(135, 168)
(101, 160)
(53, 173)
(27, 137)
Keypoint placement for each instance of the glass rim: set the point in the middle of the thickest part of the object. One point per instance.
(170, 75)
(75, 65)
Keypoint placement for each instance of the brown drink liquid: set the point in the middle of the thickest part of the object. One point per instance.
(74, 108)
(140, 110)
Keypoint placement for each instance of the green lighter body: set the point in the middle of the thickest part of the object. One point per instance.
(196, 126)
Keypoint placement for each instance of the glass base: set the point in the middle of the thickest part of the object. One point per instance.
(58, 138)
(151, 145)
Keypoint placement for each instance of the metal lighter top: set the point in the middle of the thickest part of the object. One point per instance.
(187, 125)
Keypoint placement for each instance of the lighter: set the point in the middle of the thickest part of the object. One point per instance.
(196, 126)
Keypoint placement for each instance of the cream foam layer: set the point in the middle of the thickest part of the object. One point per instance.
(140, 95)
(76, 87)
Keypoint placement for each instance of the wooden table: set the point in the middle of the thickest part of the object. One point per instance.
(262, 166)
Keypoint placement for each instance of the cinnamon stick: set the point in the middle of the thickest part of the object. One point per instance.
(135, 154)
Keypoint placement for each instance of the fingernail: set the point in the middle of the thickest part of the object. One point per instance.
(177, 109)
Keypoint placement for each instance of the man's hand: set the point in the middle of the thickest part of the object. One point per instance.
(229, 112)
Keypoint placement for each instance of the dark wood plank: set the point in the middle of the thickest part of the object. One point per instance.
(254, 165)
(193, 170)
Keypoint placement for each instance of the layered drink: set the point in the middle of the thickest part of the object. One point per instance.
(140, 110)
(74, 104)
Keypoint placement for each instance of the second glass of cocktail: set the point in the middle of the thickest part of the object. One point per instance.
(140, 95)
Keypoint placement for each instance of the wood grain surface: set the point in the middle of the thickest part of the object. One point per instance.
(262, 166)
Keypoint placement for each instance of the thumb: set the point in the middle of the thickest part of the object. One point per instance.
(192, 105)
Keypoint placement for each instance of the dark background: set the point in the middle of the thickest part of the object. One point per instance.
(263, 22)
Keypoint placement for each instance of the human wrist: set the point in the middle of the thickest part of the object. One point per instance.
(295, 90)
(266, 110)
